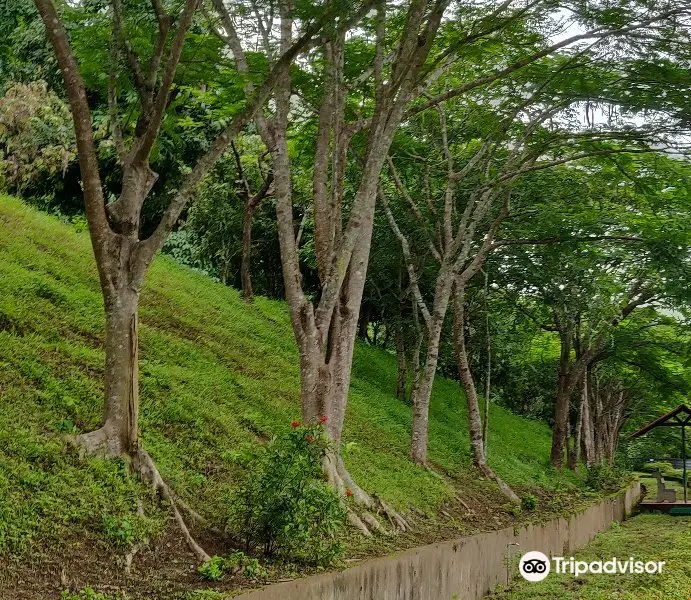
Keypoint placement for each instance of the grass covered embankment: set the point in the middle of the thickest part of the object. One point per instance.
(217, 375)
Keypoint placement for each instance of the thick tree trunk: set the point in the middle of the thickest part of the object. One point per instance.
(246, 262)
(560, 429)
(118, 436)
(475, 429)
(570, 374)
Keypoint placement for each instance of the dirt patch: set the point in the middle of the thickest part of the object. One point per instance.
(163, 570)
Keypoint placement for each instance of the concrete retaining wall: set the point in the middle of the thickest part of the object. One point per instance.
(462, 569)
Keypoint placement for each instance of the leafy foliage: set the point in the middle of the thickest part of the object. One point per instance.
(37, 144)
(283, 506)
(606, 478)
(236, 562)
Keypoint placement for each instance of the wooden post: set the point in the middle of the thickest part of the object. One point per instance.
(683, 463)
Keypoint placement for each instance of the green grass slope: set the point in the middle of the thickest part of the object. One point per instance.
(646, 537)
(216, 375)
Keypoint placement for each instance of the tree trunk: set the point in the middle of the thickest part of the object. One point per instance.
(570, 374)
(417, 350)
(598, 430)
(575, 454)
(118, 436)
(475, 428)
(488, 368)
(561, 420)
(423, 390)
(587, 422)
(246, 263)
(402, 378)
(421, 396)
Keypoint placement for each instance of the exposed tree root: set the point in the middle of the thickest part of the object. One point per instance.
(356, 522)
(505, 489)
(95, 443)
(146, 468)
(342, 481)
(99, 443)
(129, 557)
(196, 517)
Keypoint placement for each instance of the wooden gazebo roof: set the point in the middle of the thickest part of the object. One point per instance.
(679, 417)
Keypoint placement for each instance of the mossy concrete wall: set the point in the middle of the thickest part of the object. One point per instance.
(462, 569)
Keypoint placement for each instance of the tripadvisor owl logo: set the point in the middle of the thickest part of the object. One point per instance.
(534, 566)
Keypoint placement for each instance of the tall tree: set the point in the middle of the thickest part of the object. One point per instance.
(584, 277)
(121, 256)
(540, 96)
(325, 329)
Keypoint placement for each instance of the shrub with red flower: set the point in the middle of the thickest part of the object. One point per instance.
(348, 492)
(309, 439)
(295, 424)
(324, 419)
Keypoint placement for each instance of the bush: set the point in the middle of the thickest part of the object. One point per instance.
(237, 562)
(605, 478)
(37, 140)
(283, 506)
(665, 468)
(529, 502)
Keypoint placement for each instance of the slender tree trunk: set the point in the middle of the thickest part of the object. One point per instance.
(402, 377)
(475, 428)
(488, 369)
(421, 396)
(575, 454)
(598, 431)
(423, 391)
(246, 264)
(587, 421)
(417, 350)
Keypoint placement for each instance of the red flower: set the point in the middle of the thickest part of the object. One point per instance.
(309, 439)
(348, 492)
(295, 424)
(324, 419)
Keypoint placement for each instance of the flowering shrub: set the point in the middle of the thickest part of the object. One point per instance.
(283, 506)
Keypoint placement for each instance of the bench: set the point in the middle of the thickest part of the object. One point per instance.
(664, 494)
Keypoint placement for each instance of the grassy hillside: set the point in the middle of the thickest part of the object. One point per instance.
(646, 537)
(216, 375)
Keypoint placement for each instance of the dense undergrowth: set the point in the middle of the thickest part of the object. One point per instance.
(217, 376)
